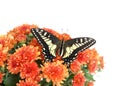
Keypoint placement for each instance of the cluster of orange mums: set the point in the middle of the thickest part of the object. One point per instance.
(23, 60)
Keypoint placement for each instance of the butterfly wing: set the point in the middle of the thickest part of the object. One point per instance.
(48, 41)
(73, 46)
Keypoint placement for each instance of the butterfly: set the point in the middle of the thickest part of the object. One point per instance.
(66, 49)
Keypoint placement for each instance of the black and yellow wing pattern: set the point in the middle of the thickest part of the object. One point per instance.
(67, 49)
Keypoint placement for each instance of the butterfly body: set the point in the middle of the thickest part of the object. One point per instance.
(66, 49)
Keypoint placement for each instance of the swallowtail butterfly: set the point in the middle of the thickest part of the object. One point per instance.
(67, 49)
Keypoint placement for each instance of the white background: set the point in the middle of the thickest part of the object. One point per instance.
(99, 19)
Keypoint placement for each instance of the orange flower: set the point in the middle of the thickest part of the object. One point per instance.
(75, 66)
(35, 43)
(30, 70)
(24, 61)
(93, 60)
(27, 83)
(20, 57)
(5, 41)
(55, 71)
(1, 77)
(101, 62)
(28, 53)
(65, 36)
(58, 57)
(90, 84)
(53, 32)
(83, 57)
(89, 57)
(3, 55)
(23, 29)
(93, 65)
(79, 80)
(21, 37)
(14, 64)
(19, 33)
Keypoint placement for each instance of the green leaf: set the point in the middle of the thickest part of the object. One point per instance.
(11, 80)
(29, 37)
(89, 77)
(16, 46)
(2, 69)
(68, 81)
(86, 83)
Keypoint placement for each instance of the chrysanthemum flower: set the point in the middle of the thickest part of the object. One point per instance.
(58, 57)
(35, 43)
(75, 66)
(5, 41)
(20, 57)
(3, 55)
(55, 71)
(65, 36)
(19, 33)
(1, 77)
(14, 64)
(53, 32)
(83, 57)
(93, 60)
(90, 84)
(25, 61)
(30, 70)
(93, 65)
(89, 57)
(27, 83)
(101, 62)
(79, 80)
(23, 29)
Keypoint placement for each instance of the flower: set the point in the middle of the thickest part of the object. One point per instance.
(35, 43)
(93, 60)
(53, 32)
(79, 79)
(90, 84)
(3, 55)
(30, 70)
(19, 33)
(75, 66)
(65, 36)
(27, 83)
(56, 71)
(83, 57)
(22, 59)
(1, 77)
(92, 66)
(101, 62)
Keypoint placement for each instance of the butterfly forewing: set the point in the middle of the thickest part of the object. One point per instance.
(48, 41)
(73, 46)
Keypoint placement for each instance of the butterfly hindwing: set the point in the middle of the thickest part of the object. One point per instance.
(48, 41)
(73, 46)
